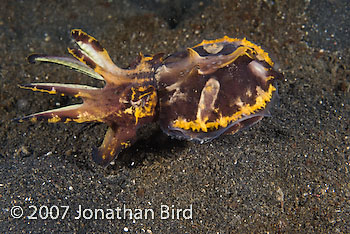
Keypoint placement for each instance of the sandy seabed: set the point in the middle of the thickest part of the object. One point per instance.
(288, 173)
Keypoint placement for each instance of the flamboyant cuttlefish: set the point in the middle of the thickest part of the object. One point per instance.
(218, 86)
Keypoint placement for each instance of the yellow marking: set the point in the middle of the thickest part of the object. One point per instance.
(269, 78)
(54, 119)
(148, 109)
(140, 111)
(74, 55)
(53, 91)
(262, 55)
(145, 94)
(140, 89)
(35, 89)
(125, 144)
(133, 93)
(111, 153)
(119, 114)
(200, 125)
(208, 88)
(81, 59)
(144, 88)
(144, 59)
(88, 119)
(68, 120)
(129, 111)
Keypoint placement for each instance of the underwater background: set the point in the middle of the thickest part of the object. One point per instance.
(288, 173)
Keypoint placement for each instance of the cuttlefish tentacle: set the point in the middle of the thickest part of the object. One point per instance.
(116, 104)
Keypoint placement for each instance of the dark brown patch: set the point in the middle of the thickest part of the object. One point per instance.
(79, 54)
(173, 59)
(96, 45)
(85, 38)
(80, 36)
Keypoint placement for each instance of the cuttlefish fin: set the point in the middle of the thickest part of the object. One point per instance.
(116, 139)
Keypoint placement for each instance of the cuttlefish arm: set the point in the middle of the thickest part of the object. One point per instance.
(65, 61)
(116, 104)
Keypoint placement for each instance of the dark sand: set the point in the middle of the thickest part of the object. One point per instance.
(289, 173)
